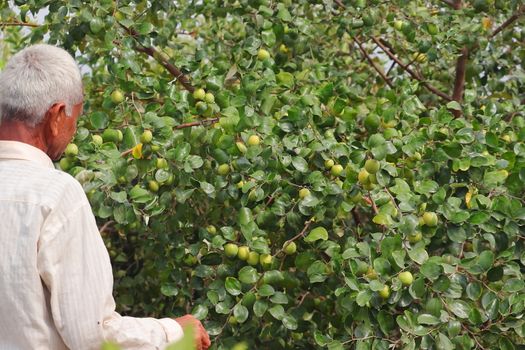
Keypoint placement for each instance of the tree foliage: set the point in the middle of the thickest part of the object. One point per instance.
(299, 95)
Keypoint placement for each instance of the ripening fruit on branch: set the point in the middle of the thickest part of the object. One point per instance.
(199, 94)
(117, 96)
(290, 249)
(231, 250)
(430, 219)
(372, 166)
(146, 137)
(161, 163)
(262, 54)
(253, 258)
(265, 259)
(223, 169)
(211, 230)
(254, 140)
(416, 237)
(406, 278)
(97, 140)
(71, 150)
(243, 253)
(209, 97)
(201, 107)
(328, 164)
(303, 192)
(336, 170)
(363, 177)
(385, 292)
(153, 186)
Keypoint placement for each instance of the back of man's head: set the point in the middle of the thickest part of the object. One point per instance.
(36, 78)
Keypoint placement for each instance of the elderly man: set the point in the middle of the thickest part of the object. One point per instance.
(55, 274)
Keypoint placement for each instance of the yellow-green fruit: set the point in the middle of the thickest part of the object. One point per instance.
(111, 135)
(161, 163)
(231, 250)
(303, 192)
(209, 98)
(243, 253)
(363, 177)
(65, 164)
(415, 237)
(372, 166)
(71, 150)
(265, 259)
(232, 320)
(398, 24)
(117, 96)
(199, 94)
(153, 186)
(329, 163)
(211, 230)
(254, 140)
(336, 170)
(283, 48)
(385, 292)
(253, 258)
(262, 54)
(430, 219)
(290, 249)
(406, 278)
(240, 184)
(241, 147)
(97, 140)
(146, 136)
(223, 169)
(201, 107)
(371, 274)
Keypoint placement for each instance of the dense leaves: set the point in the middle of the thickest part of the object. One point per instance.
(299, 95)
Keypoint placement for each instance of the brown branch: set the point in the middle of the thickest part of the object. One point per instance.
(163, 60)
(340, 4)
(412, 73)
(21, 24)
(459, 83)
(105, 226)
(299, 235)
(374, 65)
(201, 122)
(508, 22)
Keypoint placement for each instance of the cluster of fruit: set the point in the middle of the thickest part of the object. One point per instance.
(203, 100)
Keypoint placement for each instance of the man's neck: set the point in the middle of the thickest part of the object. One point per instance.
(19, 131)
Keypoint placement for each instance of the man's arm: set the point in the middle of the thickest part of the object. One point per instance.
(75, 267)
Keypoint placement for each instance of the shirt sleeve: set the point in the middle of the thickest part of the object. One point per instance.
(74, 265)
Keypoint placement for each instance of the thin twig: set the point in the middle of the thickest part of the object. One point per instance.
(300, 234)
(105, 226)
(340, 4)
(162, 59)
(508, 22)
(374, 65)
(197, 123)
(20, 24)
(413, 74)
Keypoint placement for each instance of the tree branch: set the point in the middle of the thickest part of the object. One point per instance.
(369, 59)
(412, 73)
(340, 4)
(21, 24)
(163, 60)
(459, 83)
(508, 22)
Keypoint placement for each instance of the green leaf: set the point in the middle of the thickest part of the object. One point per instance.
(241, 313)
(318, 233)
(232, 285)
(248, 275)
(454, 105)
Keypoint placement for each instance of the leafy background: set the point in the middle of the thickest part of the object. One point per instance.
(433, 90)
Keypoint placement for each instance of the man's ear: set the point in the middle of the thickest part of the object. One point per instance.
(55, 117)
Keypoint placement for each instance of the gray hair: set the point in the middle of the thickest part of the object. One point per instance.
(36, 78)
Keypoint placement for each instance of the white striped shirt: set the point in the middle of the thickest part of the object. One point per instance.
(56, 281)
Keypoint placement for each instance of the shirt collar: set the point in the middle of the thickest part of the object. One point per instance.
(20, 150)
